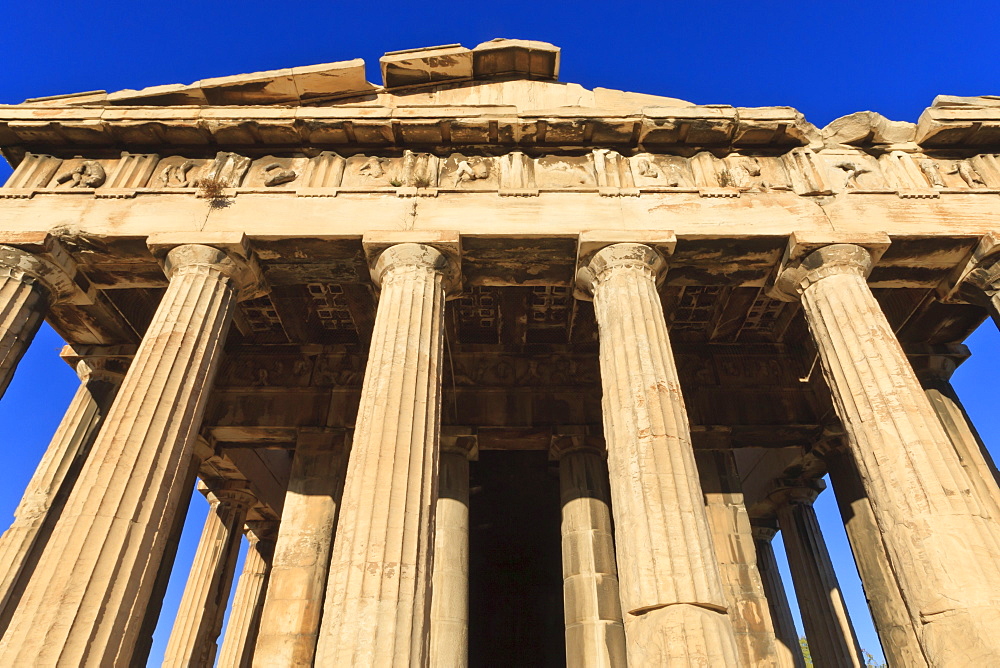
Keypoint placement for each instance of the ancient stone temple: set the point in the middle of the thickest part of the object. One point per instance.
(490, 369)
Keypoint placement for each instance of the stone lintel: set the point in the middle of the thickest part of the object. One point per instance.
(250, 278)
(245, 436)
(801, 244)
(967, 282)
(590, 242)
(447, 242)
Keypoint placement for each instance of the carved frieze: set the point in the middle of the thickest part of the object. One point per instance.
(517, 174)
(35, 171)
(558, 172)
(134, 170)
(177, 172)
(273, 173)
(326, 170)
(800, 170)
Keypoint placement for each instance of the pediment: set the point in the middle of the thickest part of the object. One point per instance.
(519, 74)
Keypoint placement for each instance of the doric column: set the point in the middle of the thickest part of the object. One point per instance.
(734, 547)
(86, 601)
(377, 599)
(934, 368)
(671, 590)
(595, 631)
(449, 630)
(980, 279)
(244, 618)
(28, 285)
(43, 501)
(788, 649)
(941, 541)
(828, 628)
(291, 616)
(885, 600)
(199, 617)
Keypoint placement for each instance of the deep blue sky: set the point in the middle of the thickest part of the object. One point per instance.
(826, 59)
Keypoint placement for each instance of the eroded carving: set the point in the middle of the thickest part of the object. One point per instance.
(275, 175)
(932, 171)
(88, 174)
(968, 174)
(852, 171)
(373, 167)
(471, 171)
(227, 168)
(645, 168)
(177, 176)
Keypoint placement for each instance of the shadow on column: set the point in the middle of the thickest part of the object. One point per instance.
(515, 568)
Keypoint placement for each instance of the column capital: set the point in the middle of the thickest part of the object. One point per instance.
(43, 259)
(600, 250)
(809, 258)
(440, 251)
(461, 440)
(99, 363)
(935, 364)
(228, 253)
(261, 531)
(565, 442)
(800, 491)
(229, 492)
(762, 529)
(978, 280)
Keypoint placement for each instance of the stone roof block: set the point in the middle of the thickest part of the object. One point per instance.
(500, 57)
(412, 67)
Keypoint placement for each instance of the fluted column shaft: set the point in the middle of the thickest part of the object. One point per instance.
(934, 372)
(449, 629)
(832, 641)
(198, 623)
(24, 300)
(595, 631)
(291, 616)
(788, 649)
(86, 602)
(671, 590)
(885, 600)
(244, 618)
(377, 601)
(734, 546)
(941, 542)
(22, 544)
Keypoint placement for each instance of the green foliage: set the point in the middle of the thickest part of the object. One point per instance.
(805, 651)
(866, 655)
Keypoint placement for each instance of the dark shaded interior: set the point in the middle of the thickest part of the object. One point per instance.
(515, 569)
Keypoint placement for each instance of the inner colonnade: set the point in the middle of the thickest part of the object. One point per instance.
(465, 409)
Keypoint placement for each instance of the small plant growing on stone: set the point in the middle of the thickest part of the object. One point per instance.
(422, 182)
(395, 183)
(214, 191)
